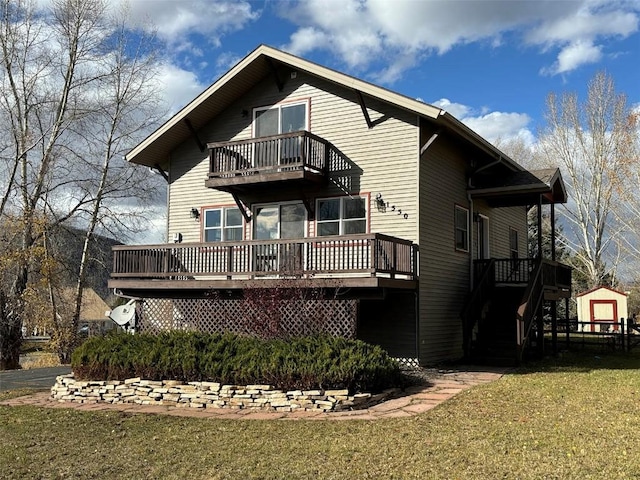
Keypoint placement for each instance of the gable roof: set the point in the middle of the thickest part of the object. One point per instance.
(154, 150)
(93, 307)
(595, 289)
(523, 187)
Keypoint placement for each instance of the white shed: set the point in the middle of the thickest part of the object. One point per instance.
(601, 304)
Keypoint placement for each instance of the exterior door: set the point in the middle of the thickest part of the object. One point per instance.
(483, 237)
(279, 222)
(603, 311)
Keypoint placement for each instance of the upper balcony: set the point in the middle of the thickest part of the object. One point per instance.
(290, 157)
(354, 261)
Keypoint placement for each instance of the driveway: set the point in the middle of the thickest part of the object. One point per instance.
(33, 378)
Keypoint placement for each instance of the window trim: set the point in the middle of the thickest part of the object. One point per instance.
(460, 208)
(341, 219)
(223, 209)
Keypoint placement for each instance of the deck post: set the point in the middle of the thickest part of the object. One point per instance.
(539, 212)
(554, 327)
(566, 318)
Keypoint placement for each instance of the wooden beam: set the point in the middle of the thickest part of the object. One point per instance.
(194, 134)
(241, 206)
(161, 172)
(309, 207)
(276, 77)
(364, 109)
(429, 142)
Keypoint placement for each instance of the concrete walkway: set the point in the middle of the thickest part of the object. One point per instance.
(442, 385)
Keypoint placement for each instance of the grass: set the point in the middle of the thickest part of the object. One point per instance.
(37, 355)
(39, 360)
(576, 417)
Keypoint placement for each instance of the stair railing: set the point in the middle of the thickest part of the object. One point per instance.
(529, 307)
(473, 308)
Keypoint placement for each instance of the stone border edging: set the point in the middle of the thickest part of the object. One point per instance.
(211, 395)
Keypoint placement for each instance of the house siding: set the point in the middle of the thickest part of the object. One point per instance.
(500, 221)
(383, 159)
(444, 272)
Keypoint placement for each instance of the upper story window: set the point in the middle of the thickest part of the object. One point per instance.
(222, 224)
(281, 118)
(341, 216)
(462, 228)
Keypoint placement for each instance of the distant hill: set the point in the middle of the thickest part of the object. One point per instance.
(67, 243)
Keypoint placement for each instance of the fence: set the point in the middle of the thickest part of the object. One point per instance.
(604, 335)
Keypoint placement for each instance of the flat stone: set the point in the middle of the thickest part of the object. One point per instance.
(312, 392)
(335, 393)
(259, 387)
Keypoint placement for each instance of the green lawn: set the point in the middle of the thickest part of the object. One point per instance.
(578, 417)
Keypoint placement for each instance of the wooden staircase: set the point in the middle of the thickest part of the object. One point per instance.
(506, 304)
(495, 339)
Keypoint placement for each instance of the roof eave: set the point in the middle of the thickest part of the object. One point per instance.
(461, 129)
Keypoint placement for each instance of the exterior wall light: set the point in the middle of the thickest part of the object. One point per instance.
(195, 213)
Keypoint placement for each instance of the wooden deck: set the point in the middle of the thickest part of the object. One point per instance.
(298, 156)
(367, 261)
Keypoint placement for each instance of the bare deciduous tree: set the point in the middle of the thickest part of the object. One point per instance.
(73, 95)
(591, 142)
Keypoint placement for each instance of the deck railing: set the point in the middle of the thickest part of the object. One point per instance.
(519, 270)
(278, 153)
(366, 254)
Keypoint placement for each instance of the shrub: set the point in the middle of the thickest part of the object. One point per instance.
(318, 362)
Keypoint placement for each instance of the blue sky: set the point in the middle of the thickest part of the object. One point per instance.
(490, 63)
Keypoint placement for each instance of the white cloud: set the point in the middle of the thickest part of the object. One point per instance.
(456, 109)
(493, 126)
(571, 57)
(176, 21)
(178, 86)
(361, 32)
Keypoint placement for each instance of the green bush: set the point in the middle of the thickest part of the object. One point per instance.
(297, 363)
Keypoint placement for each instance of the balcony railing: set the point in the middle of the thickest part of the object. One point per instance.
(278, 154)
(519, 270)
(353, 255)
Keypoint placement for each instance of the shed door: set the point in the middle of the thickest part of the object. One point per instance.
(603, 311)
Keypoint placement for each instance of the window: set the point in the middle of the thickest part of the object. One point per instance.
(284, 118)
(222, 224)
(462, 228)
(513, 243)
(341, 216)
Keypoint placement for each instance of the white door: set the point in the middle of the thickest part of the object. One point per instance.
(483, 238)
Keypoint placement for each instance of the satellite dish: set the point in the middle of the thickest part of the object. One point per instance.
(125, 315)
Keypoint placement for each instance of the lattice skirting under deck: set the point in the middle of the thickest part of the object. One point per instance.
(296, 317)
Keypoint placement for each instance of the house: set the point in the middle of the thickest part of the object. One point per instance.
(93, 319)
(285, 173)
(599, 307)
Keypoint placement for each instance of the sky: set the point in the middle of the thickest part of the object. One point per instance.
(490, 63)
